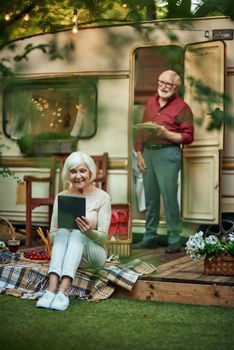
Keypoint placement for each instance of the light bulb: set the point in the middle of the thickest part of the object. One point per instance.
(75, 16)
(74, 19)
(75, 29)
(7, 17)
(26, 17)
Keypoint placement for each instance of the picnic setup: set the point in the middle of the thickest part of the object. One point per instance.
(23, 272)
(144, 275)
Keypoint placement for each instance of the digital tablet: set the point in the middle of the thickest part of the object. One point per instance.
(69, 208)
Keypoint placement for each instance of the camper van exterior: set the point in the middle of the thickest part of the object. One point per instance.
(95, 87)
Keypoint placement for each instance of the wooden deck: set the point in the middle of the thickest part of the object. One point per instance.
(179, 279)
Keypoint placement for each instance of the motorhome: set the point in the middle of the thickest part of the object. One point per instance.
(93, 86)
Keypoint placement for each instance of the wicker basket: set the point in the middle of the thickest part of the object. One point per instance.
(221, 265)
(10, 229)
(119, 247)
(120, 234)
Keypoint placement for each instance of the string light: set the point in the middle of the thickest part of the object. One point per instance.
(75, 29)
(7, 17)
(26, 17)
(75, 16)
(51, 112)
(75, 21)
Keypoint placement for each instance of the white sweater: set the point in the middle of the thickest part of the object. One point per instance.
(98, 212)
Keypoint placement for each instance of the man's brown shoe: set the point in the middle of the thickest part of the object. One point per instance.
(172, 249)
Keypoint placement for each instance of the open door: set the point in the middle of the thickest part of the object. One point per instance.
(204, 68)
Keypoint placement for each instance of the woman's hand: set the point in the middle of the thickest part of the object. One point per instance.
(83, 224)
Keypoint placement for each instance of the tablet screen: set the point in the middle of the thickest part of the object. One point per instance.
(69, 208)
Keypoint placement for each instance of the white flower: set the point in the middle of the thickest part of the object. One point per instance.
(201, 244)
(209, 246)
(195, 245)
(198, 234)
(211, 239)
(231, 237)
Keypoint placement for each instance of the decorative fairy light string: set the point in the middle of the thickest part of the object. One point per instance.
(75, 21)
(45, 110)
(26, 18)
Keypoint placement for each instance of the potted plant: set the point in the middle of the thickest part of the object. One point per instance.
(217, 250)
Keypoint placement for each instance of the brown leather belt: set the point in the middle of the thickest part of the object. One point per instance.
(159, 146)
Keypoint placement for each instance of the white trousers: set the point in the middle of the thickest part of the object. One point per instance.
(72, 250)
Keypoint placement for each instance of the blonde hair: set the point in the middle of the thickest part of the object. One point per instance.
(74, 160)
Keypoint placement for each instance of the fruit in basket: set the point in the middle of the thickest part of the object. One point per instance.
(37, 254)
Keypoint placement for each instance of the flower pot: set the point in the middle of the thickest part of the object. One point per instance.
(220, 265)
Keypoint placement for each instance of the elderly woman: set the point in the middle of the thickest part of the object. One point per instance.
(82, 247)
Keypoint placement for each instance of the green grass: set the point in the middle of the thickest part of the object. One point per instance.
(115, 324)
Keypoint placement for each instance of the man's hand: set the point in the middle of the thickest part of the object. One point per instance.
(163, 132)
(141, 162)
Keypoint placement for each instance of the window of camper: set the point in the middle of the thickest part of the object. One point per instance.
(57, 106)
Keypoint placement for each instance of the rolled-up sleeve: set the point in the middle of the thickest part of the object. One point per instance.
(186, 127)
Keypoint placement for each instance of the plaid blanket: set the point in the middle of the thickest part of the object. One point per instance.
(29, 280)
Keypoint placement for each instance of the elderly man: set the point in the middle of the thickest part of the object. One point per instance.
(159, 155)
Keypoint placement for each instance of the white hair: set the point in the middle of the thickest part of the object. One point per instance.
(175, 76)
(74, 160)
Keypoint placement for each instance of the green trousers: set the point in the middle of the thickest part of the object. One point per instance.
(161, 177)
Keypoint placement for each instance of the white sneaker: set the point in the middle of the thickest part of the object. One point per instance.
(60, 302)
(46, 300)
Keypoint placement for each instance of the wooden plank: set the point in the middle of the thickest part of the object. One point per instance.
(195, 273)
(198, 276)
(196, 294)
(175, 262)
(194, 279)
(157, 258)
(157, 254)
(177, 266)
(170, 268)
(223, 279)
(191, 272)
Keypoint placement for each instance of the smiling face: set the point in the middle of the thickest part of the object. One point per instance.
(79, 177)
(168, 84)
